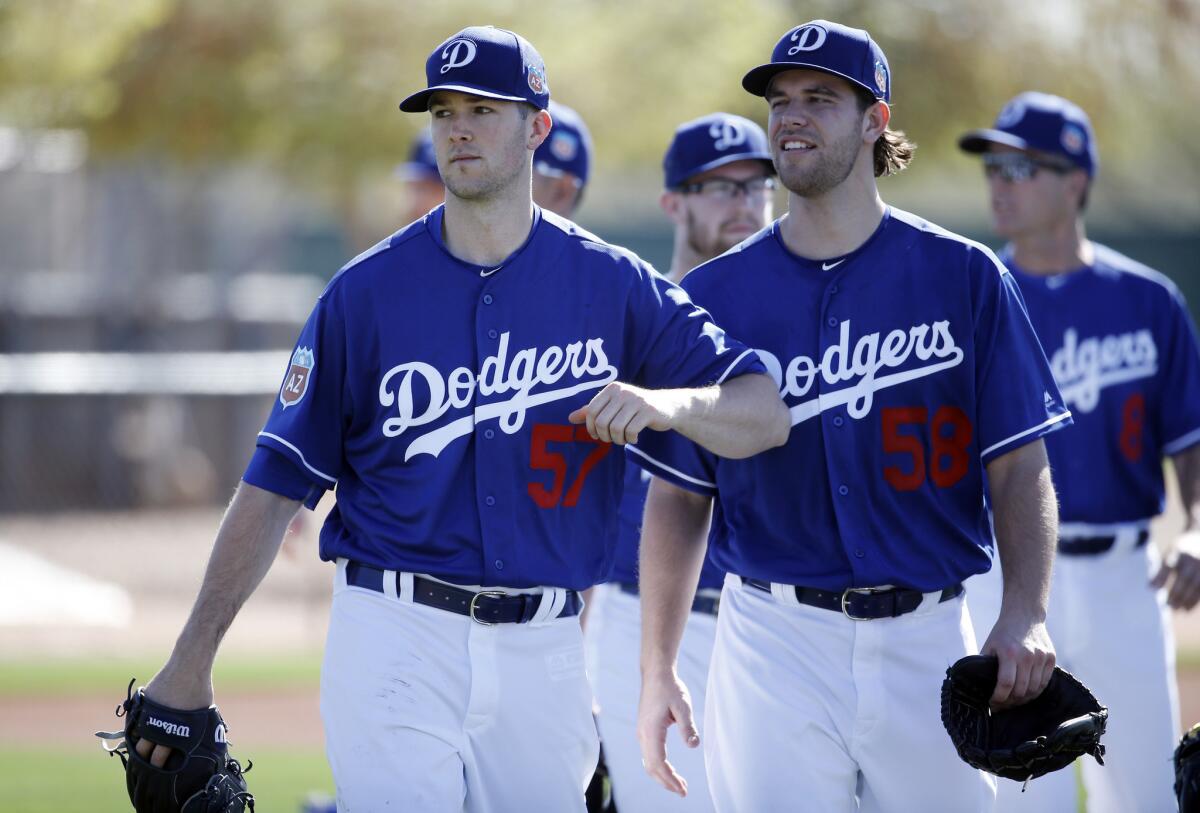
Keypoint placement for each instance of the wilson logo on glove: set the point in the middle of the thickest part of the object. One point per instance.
(199, 776)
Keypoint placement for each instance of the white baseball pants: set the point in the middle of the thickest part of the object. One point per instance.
(810, 711)
(614, 647)
(1114, 633)
(427, 710)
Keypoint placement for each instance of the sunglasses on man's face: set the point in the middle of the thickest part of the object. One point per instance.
(1015, 166)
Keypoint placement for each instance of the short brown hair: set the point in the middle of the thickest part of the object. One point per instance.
(893, 150)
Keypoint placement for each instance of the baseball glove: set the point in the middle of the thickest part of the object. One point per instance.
(199, 775)
(1187, 771)
(1048, 733)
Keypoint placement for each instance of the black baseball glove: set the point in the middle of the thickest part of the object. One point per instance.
(199, 775)
(1187, 771)
(1049, 732)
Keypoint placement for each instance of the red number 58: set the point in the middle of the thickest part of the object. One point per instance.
(949, 460)
(541, 458)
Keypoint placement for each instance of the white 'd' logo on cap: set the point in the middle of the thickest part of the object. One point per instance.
(807, 38)
(726, 134)
(457, 54)
(1013, 112)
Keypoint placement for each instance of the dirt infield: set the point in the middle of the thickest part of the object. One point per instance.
(289, 717)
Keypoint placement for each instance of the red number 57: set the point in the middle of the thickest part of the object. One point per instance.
(541, 458)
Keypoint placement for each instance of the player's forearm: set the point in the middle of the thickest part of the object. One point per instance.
(248, 540)
(674, 539)
(742, 417)
(1187, 473)
(1026, 521)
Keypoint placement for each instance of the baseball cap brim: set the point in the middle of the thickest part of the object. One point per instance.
(419, 101)
(757, 80)
(729, 159)
(978, 141)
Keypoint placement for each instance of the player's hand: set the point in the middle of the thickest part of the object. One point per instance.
(619, 412)
(1181, 569)
(179, 690)
(1026, 660)
(665, 701)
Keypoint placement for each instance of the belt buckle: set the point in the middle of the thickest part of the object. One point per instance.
(866, 591)
(471, 608)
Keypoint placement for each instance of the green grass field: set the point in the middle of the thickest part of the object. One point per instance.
(70, 677)
(49, 779)
(57, 781)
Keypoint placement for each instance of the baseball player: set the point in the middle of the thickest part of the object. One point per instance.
(913, 378)
(1124, 353)
(562, 162)
(422, 181)
(460, 385)
(718, 189)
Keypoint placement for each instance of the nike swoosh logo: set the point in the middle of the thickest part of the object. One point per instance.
(827, 266)
(488, 273)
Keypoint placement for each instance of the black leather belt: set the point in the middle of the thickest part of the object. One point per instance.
(1095, 545)
(486, 607)
(700, 604)
(861, 603)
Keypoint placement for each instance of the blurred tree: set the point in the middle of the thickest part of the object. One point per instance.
(311, 87)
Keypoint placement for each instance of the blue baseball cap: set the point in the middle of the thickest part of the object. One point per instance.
(830, 47)
(484, 61)
(568, 148)
(712, 141)
(421, 163)
(1041, 122)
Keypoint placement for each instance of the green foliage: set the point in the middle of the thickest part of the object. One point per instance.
(311, 86)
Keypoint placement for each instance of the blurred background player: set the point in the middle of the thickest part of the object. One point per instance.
(562, 162)
(719, 182)
(423, 188)
(1123, 351)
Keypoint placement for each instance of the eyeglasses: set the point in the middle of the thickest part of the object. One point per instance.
(729, 189)
(1015, 166)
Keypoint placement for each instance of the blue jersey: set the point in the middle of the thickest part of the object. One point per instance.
(434, 394)
(629, 532)
(1123, 350)
(907, 365)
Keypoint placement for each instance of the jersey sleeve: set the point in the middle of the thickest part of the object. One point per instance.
(309, 416)
(1017, 399)
(1179, 404)
(274, 472)
(676, 459)
(677, 343)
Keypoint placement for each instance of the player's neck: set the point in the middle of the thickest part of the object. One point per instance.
(1054, 251)
(487, 232)
(834, 224)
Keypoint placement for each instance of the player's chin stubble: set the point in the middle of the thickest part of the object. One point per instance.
(497, 175)
(823, 175)
(706, 243)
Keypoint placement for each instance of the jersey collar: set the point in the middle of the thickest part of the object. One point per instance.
(433, 223)
(831, 265)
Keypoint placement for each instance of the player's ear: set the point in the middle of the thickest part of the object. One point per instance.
(875, 120)
(672, 206)
(539, 129)
(1077, 183)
